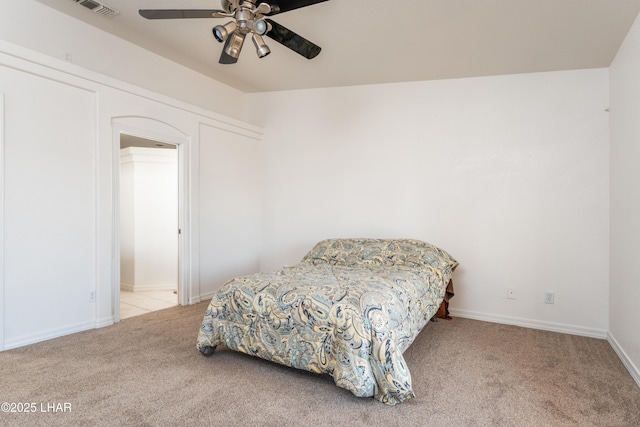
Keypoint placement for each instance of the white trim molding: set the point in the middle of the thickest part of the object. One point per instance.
(530, 323)
(2, 344)
(626, 360)
(154, 287)
(49, 334)
(119, 107)
(19, 57)
(156, 130)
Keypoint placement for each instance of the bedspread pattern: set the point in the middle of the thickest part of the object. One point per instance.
(350, 308)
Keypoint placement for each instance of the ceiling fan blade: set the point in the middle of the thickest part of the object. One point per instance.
(225, 58)
(292, 40)
(281, 6)
(179, 13)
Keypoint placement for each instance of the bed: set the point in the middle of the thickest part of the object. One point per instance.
(349, 308)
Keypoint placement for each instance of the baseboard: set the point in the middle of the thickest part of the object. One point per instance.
(47, 335)
(148, 288)
(195, 300)
(626, 361)
(106, 321)
(207, 296)
(530, 323)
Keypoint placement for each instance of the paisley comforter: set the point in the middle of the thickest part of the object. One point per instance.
(350, 309)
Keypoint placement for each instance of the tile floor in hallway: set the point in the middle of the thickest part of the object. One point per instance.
(137, 303)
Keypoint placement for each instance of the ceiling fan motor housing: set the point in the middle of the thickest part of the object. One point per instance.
(233, 5)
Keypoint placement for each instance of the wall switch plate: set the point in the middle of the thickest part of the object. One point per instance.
(549, 297)
(511, 293)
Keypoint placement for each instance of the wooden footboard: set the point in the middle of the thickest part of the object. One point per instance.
(443, 311)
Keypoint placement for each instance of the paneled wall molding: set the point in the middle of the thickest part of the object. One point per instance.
(17, 57)
(101, 107)
(50, 206)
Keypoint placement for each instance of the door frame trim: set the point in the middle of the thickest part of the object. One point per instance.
(170, 135)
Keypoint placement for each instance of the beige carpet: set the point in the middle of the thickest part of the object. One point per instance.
(146, 371)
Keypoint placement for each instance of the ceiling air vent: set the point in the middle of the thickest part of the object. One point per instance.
(97, 7)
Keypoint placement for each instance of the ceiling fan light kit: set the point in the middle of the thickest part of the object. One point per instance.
(247, 19)
(221, 32)
(261, 48)
(234, 45)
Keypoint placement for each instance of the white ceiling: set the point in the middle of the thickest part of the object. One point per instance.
(376, 41)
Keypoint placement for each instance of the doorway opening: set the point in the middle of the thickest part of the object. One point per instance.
(149, 226)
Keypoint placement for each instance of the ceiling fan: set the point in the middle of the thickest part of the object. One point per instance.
(248, 19)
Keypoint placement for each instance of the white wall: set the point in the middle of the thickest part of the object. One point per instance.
(40, 28)
(49, 206)
(229, 207)
(148, 219)
(508, 173)
(60, 152)
(624, 315)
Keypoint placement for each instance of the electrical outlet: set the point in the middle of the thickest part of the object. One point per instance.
(511, 293)
(67, 56)
(549, 297)
(92, 296)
